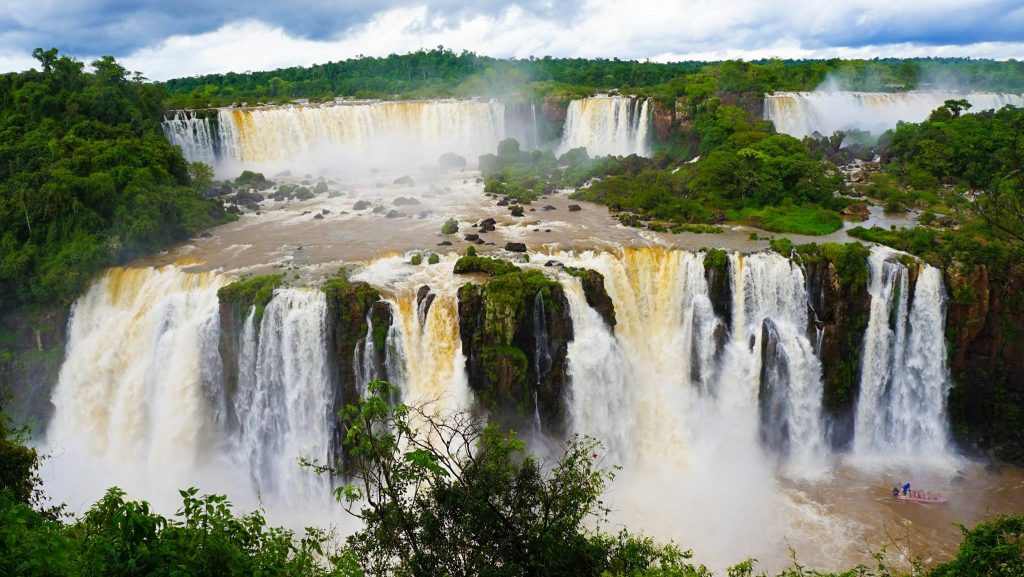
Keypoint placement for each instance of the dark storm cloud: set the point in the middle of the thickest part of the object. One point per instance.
(119, 26)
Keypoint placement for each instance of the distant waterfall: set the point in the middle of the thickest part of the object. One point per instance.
(140, 384)
(802, 113)
(337, 134)
(608, 125)
(284, 407)
(904, 379)
(193, 134)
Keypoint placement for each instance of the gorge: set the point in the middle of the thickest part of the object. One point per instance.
(757, 396)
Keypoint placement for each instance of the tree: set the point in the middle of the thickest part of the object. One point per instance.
(442, 493)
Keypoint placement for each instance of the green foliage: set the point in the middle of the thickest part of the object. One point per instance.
(783, 245)
(809, 220)
(433, 258)
(432, 483)
(254, 292)
(416, 259)
(450, 226)
(87, 178)
(481, 264)
(716, 259)
(992, 548)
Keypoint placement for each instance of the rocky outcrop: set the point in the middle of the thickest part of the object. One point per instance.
(349, 305)
(985, 328)
(596, 293)
(716, 273)
(515, 330)
(662, 116)
(32, 344)
(837, 277)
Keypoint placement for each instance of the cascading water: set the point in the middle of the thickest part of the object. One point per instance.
(193, 134)
(800, 114)
(337, 134)
(364, 361)
(284, 408)
(904, 381)
(432, 366)
(140, 384)
(772, 360)
(607, 125)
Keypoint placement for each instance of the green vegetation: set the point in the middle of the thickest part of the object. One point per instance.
(995, 547)
(87, 178)
(481, 264)
(442, 72)
(416, 259)
(254, 292)
(450, 226)
(433, 258)
(809, 220)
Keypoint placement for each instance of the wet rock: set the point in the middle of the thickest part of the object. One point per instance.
(451, 161)
(472, 237)
(318, 216)
(403, 201)
(503, 202)
(395, 214)
(206, 234)
(379, 210)
(516, 210)
(404, 181)
(575, 208)
(361, 205)
(548, 207)
(445, 243)
(515, 247)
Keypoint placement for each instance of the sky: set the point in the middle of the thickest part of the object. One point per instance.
(173, 38)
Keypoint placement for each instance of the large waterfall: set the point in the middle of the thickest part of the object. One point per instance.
(341, 134)
(712, 414)
(904, 380)
(608, 125)
(802, 113)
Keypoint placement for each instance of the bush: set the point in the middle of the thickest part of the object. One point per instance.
(451, 226)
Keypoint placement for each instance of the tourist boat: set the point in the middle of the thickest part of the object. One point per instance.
(922, 497)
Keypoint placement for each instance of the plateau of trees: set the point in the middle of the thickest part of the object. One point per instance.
(442, 72)
(87, 178)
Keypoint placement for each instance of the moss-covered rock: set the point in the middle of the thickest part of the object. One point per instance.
(837, 288)
(985, 328)
(515, 330)
(32, 345)
(349, 304)
(471, 264)
(716, 273)
(596, 293)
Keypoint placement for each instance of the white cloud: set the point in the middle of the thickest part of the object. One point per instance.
(658, 29)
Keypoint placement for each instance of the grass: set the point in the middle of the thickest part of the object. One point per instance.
(809, 220)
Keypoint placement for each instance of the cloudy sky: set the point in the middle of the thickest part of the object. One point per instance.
(170, 38)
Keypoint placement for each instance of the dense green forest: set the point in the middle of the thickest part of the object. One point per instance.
(477, 493)
(87, 178)
(442, 72)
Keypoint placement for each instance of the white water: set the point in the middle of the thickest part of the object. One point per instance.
(139, 391)
(284, 407)
(901, 409)
(193, 134)
(802, 113)
(341, 136)
(607, 125)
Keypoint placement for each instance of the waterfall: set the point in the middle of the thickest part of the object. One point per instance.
(364, 359)
(337, 134)
(140, 384)
(802, 113)
(284, 411)
(607, 125)
(773, 358)
(425, 353)
(193, 134)
(904, 381)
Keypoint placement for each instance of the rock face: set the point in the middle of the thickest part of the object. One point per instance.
(985, 327)
(662, 116)
(716, 273)
(515, 331)
(837, 277)
(596, 293)
(348, 306)
(32, 344)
